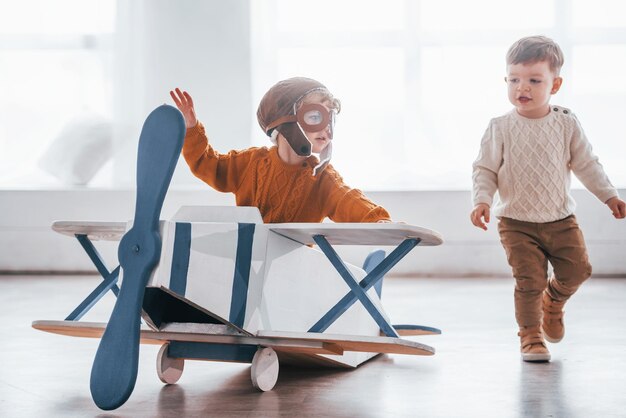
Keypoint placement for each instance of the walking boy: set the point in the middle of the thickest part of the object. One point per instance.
(526, 156)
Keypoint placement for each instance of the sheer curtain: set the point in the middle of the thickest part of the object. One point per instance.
(199, 46)
(55, 63)
(420, 79)
(118, 59)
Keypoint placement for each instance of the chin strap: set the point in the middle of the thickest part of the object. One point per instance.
(274, 137)
(325, 155)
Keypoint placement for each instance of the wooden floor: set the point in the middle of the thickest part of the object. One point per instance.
(476, 371)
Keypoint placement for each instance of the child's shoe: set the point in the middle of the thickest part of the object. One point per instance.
(552, 323)
(533, 348)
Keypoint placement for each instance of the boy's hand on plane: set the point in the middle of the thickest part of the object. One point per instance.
(617, 206)
(480, 212)
(184, 103)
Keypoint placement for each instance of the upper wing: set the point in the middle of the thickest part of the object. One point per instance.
(356, 233)
(104, 231)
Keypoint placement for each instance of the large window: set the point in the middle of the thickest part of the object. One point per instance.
(55, 63)
(420, 79)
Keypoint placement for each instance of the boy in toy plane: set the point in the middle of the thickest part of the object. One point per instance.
(286, 181)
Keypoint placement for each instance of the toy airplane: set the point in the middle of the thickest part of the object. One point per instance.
(216, 283)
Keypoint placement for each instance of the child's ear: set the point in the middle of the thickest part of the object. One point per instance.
(556, 85)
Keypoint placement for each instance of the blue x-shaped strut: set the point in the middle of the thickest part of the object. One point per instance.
(109, 282)
(358, 289)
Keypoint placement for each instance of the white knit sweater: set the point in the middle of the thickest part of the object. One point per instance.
(528, 161)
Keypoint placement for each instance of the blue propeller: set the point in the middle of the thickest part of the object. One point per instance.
(114, 370)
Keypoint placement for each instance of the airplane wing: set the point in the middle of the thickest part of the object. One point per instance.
(287, 342)
(365, 344)
(356, 233)
(95, 231)
(335, 233)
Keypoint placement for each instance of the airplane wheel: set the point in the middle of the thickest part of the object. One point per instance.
(264, 371)
(169, 369)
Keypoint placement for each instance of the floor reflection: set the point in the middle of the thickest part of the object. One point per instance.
(541, 390)
(171, 401)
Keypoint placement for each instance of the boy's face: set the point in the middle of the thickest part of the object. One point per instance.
(530, 86)
(319, 140)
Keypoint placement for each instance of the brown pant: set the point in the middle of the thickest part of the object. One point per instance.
(529, 246)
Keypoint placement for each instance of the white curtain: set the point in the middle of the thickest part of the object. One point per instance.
(200, 46)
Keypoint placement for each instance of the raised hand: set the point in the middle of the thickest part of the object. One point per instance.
(184, 103)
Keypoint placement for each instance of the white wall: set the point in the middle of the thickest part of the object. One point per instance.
(29, 244)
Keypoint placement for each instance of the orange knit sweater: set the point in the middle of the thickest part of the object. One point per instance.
(282, 192)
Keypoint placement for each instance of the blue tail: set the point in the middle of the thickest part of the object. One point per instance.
(372, 260)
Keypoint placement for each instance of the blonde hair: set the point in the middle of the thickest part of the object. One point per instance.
(533, 49)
